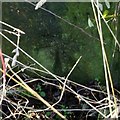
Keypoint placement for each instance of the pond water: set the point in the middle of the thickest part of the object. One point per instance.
(57, 43)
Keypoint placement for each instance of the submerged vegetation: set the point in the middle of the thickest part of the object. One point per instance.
(60, 61)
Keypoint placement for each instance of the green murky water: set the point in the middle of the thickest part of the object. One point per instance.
(56, 44)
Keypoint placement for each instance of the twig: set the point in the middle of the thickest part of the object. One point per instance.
(25, 86)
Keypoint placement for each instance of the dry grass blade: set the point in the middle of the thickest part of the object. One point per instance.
(105, 61)
(63, 88)
(108, 101)
(26, 87)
